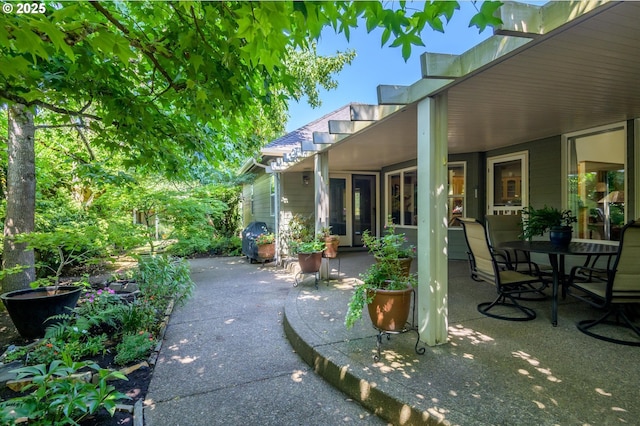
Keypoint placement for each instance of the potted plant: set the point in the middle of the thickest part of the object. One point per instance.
(558, 222)
(31, 308)
(391, 247)
(386, 291)
(266, 246)
(309, 255)
(331, 242)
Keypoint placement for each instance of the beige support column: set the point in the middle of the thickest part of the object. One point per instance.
(432, 301)
(321, 170)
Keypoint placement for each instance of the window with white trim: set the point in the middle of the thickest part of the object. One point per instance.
(402, 197)
(456, 193)
(272, 196)
(597, 181)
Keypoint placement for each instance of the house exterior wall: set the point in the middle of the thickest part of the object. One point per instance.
(297, 198)
(545, 170)
(474, 200)
(256, 206)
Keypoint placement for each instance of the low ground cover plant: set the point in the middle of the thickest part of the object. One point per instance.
(102, 323)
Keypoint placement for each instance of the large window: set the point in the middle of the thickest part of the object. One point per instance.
(596, 184)
(402, 197)
(456, 193)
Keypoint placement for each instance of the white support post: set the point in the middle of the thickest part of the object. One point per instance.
(321, 182)
(432, 301)
(277, 218)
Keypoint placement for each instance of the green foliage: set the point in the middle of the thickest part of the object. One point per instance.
(227, 246)
(77, 347)
(268, 238)
(486, 17)
(299, 229)
(538, 221)
(59, 398)
(160, 278)
(134, 347)
(309, 246)
(138, 315)
(387, 273)
(389, 246)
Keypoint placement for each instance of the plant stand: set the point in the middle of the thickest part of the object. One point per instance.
(309, 264)
(298, 280)
(329, 259)
(408, 327)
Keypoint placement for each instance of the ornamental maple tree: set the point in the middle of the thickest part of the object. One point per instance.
(170, 84)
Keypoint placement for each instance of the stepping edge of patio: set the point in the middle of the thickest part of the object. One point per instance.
(380, 396)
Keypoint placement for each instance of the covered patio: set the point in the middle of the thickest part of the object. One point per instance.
(548, 72)
(490, 372)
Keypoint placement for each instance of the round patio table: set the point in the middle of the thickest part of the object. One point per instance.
(556, 258)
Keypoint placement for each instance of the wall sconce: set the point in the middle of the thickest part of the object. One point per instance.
(305, 180)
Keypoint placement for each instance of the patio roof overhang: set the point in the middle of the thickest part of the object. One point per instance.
(575, 65)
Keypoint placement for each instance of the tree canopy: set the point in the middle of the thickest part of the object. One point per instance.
(169, 82)
(169, 86)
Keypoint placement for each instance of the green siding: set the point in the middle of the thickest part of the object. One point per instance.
(545, 163)
(261, 201)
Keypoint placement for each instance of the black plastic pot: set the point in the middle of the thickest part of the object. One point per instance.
(30, 308)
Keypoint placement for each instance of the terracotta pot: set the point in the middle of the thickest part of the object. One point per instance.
(331, 243)
(267, 251)
(390, 309)
(30, 308)
(405, 263)
(310, 262)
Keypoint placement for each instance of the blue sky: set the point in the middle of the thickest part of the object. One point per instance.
(374, 65)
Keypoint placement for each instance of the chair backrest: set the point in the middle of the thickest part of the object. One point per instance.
(503, 228)
(479, 250)
(625, 283)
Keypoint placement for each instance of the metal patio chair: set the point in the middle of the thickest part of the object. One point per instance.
(503, 228)
(489, 266)
(618, 293)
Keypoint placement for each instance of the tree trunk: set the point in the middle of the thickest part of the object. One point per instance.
(21, 197)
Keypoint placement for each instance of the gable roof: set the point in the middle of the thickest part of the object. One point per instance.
(294, 139)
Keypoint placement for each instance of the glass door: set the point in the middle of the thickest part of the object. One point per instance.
(507, 183)
(339, 208)
(364, 206)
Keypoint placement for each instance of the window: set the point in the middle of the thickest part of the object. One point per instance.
(251, 201)
(456, 193)
(507, 183)
(402, 197)
(272, 197)
(596, 184)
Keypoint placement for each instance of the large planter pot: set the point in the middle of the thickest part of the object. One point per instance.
(267, 251)
(404, 262)
(331, 246)
(389, 309)
(560, 236)
(30, 308)
(310, 262)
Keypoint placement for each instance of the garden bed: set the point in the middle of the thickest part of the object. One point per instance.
(117, 330)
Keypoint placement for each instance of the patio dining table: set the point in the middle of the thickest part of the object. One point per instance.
(557, 260)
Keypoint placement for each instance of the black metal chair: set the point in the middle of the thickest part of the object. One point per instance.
(618, 293)
(511, 285)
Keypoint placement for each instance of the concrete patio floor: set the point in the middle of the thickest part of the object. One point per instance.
(491, 372)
